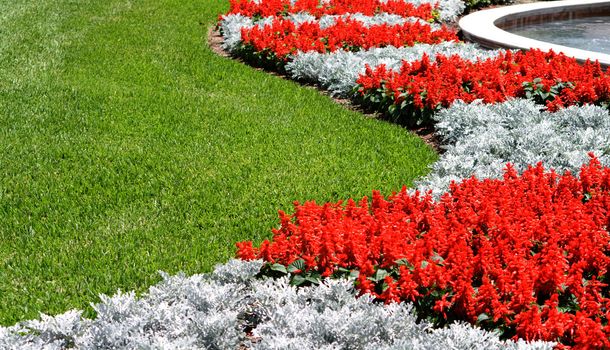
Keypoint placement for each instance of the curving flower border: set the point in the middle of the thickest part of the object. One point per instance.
(414, 85)
(233, 307)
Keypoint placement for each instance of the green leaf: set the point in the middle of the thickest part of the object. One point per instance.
(313, 278)
(405, 262)
(379, 275)
(279, 268)
(483, 317)
(297, 280)
(296, 265)
(402, 262)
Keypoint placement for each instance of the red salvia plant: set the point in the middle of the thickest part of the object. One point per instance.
(527, 254)
(282, 37)
(421, 87)
(316, 8)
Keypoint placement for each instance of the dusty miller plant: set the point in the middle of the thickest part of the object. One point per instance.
(479, 139)
(338, 71)
(214, 311)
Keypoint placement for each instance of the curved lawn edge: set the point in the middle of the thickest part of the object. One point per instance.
(114, 169)
(53, 330)
(471, 151)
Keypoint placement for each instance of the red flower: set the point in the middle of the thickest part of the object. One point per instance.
(282, 37)
(333, 7)
(552, 79)
(530, 251)
(441, 306)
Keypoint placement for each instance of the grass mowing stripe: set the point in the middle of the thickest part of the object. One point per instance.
(128, 147)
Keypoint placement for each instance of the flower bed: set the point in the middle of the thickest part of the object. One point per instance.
(338, 71)
(524, 255)
(213, 311)
(423, 87)
(521, 253)
(283, 38)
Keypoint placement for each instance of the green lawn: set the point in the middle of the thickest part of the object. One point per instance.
(128, 147)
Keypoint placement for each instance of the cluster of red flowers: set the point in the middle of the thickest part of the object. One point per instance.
(333, 7)
(527, 255)
(282, 37)
(553, 79)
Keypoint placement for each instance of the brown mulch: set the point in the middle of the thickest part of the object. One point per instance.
(425, 133)
(215, 40)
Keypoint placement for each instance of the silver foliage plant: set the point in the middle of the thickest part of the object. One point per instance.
(480, 139)
(212, 311)
(330, 316)
(338, 71)
(230, 28)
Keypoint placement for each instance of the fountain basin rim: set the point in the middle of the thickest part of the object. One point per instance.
(483, 27)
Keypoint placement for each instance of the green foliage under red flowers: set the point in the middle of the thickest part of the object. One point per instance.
(527, 255)
(420, 88)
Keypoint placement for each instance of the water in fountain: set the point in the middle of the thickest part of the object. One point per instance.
(588, 33)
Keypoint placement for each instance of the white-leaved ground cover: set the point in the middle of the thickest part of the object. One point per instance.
(367, 21)
(230, 27)
(480, 139)
(338, 71)
(212, 311)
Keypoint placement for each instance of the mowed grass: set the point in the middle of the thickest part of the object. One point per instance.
(128, 147)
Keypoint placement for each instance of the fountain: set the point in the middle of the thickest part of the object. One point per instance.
(580, 29)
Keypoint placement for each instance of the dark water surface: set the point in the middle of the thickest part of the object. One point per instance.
(589, 33)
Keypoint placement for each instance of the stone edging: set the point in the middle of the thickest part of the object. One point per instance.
(484, 27)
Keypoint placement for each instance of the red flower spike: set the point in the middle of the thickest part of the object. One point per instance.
(438, 83)
(282, 37)
(531, 251)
